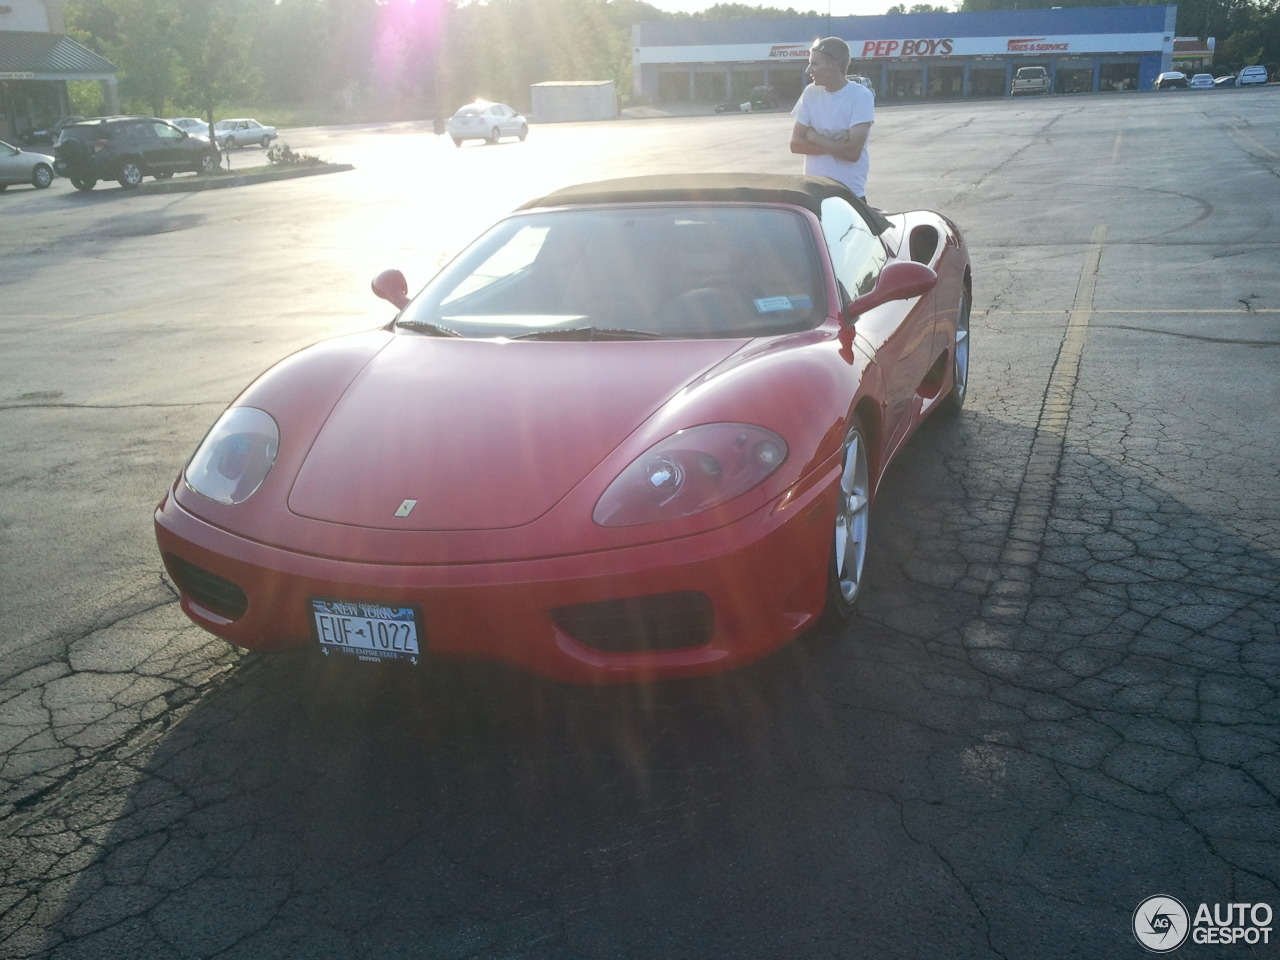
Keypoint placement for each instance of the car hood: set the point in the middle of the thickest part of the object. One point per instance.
(484, 435)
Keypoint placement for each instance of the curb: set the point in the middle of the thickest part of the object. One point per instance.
(217, 182)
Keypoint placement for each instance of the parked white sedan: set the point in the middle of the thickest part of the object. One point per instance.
(192, 125)
(242, 132)
(483, 120)
(24, 166)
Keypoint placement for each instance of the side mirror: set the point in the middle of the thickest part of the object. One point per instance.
(391, 286)
(898, 281)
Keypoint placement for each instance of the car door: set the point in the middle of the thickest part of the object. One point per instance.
(897, 335)
(11, 164)
(166, 148)
(506, 120)
(134, 140)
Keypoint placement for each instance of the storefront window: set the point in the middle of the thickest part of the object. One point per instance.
(986, 82)
(904, 84)
(709, 87)
(673, 87)
(1073, 79)
(1119, 75)
(946, 82)
(744, 82)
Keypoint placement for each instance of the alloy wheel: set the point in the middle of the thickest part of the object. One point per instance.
(853, 514)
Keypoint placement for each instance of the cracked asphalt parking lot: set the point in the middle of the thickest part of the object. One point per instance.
(1062, 696)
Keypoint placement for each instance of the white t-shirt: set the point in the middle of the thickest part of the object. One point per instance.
(832, 114)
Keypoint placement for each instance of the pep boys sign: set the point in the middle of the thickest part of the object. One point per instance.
(949, 46)
(871, 49)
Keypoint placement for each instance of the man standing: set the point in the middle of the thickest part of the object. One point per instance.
(833, 118)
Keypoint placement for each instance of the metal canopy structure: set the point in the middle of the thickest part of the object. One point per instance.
(35, 68)
(49, 56)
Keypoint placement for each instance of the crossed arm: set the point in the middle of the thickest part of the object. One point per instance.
(848, 146)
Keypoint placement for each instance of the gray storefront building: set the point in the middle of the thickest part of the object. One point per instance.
(907, 56)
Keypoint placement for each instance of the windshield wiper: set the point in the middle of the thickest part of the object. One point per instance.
(591, 333)
(428, 327)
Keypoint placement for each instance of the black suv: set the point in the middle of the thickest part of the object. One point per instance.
(127, 149)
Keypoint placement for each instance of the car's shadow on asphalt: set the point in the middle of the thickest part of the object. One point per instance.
(805, 806)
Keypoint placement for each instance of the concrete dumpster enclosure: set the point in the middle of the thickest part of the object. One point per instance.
(556, 100)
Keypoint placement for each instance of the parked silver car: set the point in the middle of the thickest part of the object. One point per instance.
(24, 166)
(483, 120)
(241, 132)
(193, 125)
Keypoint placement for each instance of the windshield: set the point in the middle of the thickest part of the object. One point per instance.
(657, 271)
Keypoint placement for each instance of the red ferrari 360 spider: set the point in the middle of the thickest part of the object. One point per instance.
(633, 431)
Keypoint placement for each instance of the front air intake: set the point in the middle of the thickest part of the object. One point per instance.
(663, 621)
(207, 589)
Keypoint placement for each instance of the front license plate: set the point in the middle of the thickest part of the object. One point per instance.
(369, 631)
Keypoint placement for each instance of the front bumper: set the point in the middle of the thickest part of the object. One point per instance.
(703, 604)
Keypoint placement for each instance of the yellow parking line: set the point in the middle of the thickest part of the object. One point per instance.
(1010, 595)
(1254, 142)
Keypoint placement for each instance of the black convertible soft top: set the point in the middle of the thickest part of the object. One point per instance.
(800, 190)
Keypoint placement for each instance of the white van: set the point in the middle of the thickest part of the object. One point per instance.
(1254, 74)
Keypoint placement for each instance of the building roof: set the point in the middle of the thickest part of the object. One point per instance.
(49, 56)
(573, 83)
(1072, 20)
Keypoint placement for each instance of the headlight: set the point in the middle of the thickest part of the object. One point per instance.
(235, 457)
(691, 471)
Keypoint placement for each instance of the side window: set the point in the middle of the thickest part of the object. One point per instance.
(857, 254)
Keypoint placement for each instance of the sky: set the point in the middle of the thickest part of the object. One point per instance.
(838, 8)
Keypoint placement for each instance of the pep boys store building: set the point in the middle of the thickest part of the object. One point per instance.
(907, 56)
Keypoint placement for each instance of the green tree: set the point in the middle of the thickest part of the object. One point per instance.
(136, 36)
(212, 41)
(1240, 50)
(289, 50)
(743, 11)
(146, 45)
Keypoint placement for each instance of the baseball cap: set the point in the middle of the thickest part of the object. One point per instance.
(833, 47)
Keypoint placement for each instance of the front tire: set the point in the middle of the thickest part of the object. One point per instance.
(209, 163)
(959, 359)
(130, 174)
(853, 515)
(83, 183)
(524, 131)
(41, 176)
